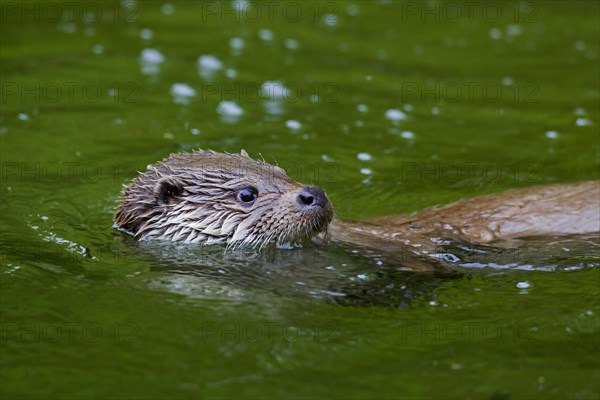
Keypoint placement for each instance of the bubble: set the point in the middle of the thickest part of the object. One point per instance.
(230, 109)
(266, 34)
(583, 122)
(507, 81)
(394, 114)
(514, 30)
(68, 27)
(208, 65)
(495, 33)
(167, 9)
(237, 43)
(182, 93)
(293, 124)
(209, 62)
(98, 49)
(151, 56)
(273, 90)
(330, 19)
(146, 34)
(291, 44)
(364, 156)
(352, 9)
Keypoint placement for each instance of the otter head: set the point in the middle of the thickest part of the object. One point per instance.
(208, 197)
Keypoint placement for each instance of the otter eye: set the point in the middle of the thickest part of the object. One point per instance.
(248, 195)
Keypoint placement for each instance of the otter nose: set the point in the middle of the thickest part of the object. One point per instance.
(312, 196)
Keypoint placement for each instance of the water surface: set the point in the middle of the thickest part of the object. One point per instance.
(387, 105)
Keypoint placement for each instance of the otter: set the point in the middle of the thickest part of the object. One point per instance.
(208, 197)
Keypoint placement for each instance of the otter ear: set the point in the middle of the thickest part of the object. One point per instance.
(167, 189)
(244, 153)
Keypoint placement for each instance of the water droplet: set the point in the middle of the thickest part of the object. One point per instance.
(330, 19)
(523, 285)
(273, 90)
(68, 27)
(208, 65)
(291, 44)
(364, 156)
(352, 9)
(507, 81)
(362, 108)
(182, 93)
(230, 73)
(394, 114)
(495, 33)
(583, 122)
(236, 43)
(514, 30)
(151, 56)
(265, 34)
(293, 124)
(146, 34)
(230, 111)
(167, 9)
(98, 49)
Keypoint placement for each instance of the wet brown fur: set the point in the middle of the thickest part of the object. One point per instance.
(190, 197)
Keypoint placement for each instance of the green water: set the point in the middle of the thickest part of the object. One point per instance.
(492, 96)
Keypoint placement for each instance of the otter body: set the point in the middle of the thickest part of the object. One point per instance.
(208, 197)
(537, 211)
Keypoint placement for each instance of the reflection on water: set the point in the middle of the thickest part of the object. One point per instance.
(343, 275)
